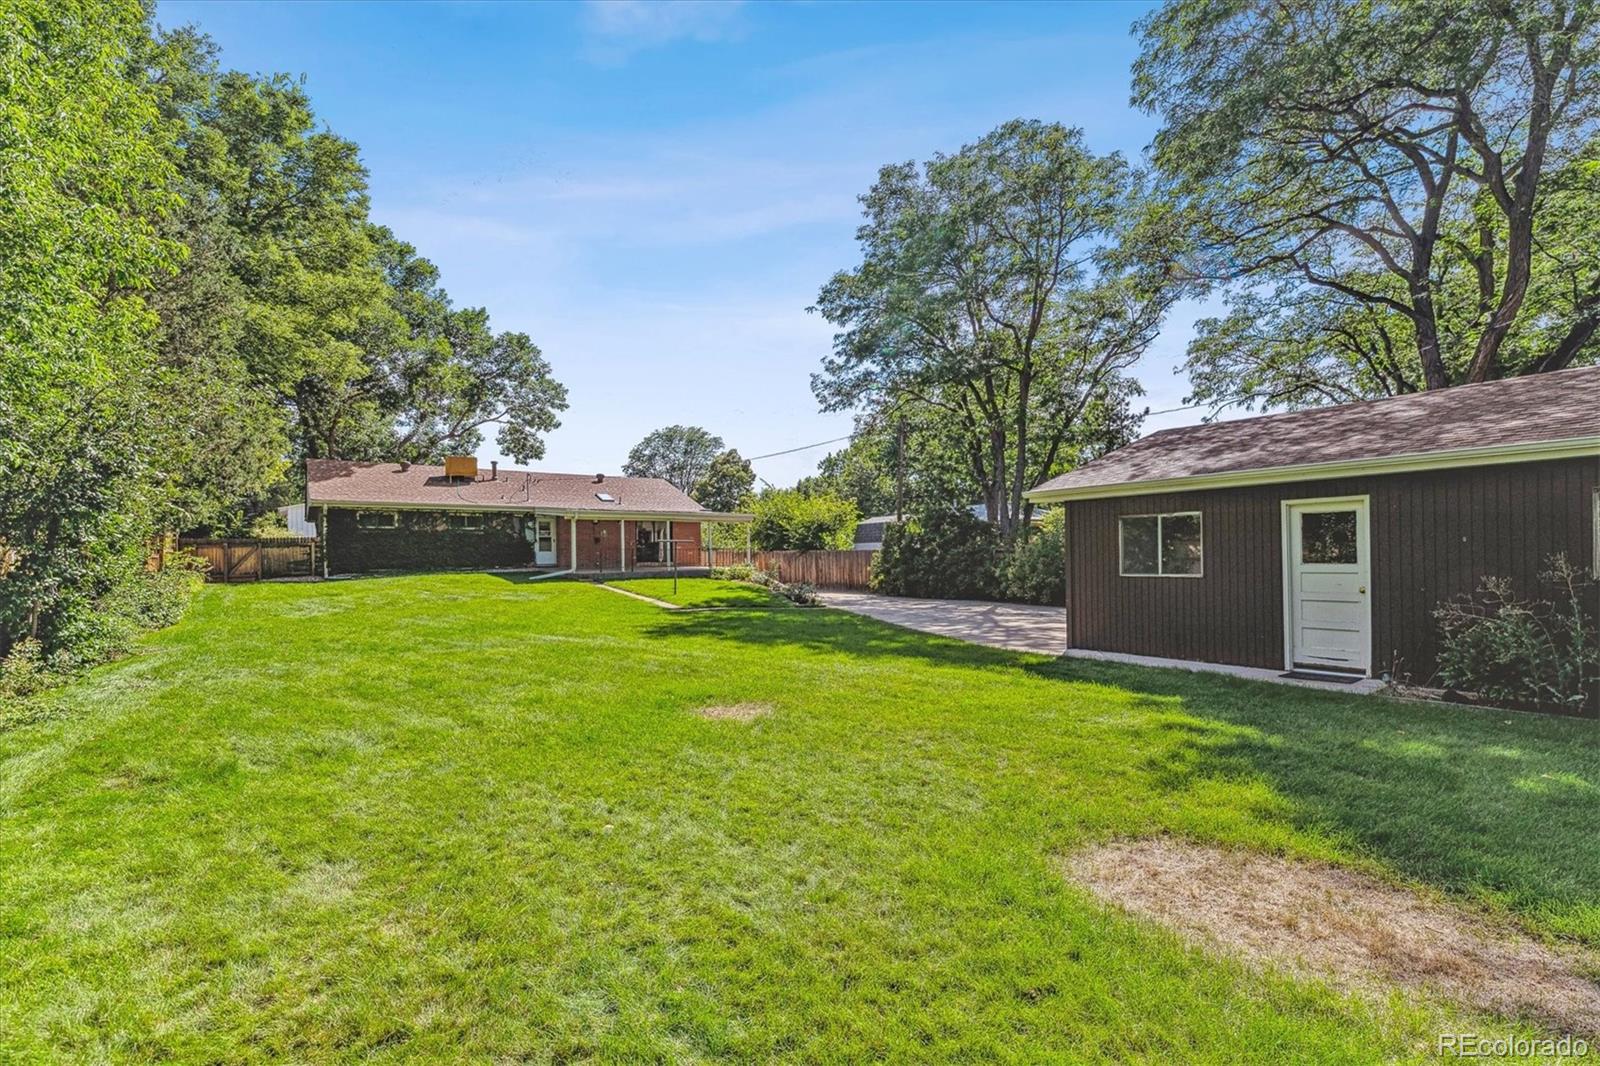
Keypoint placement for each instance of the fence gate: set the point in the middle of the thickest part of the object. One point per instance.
(241, 562)
(254, 559)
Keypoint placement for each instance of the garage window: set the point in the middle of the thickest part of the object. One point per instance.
(1160, 545)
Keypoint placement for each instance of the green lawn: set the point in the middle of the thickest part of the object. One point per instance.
(476, 818)
(702, 592)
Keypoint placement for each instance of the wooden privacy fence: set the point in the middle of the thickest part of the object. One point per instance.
(252, 560)
(824, 569)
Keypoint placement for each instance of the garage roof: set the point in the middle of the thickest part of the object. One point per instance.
(1539, 416)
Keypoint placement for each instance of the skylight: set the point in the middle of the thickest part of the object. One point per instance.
(605, 497)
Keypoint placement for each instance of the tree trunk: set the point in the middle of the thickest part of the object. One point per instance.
(1020, 471)
(1560, 357)
(997, 492)
(1434, 373)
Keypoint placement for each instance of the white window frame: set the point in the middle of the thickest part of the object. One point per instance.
(1122, 565)
(451, 518)
(393, 523)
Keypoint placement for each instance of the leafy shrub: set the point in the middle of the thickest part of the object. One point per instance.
(24, 670)
(802, 593)
(87, 631)
(947, 554)
(1034, 571)
(736, 572)
(785, 520)
(1543, 652)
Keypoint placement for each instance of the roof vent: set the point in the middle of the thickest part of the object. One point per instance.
(494, 470)
(599, 479)
(465, 466)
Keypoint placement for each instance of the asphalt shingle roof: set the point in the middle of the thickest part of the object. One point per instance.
(1536, 409)
(337, 481)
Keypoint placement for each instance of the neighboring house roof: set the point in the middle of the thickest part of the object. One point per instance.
(980, 511)
(337, 482)
(1539, 416)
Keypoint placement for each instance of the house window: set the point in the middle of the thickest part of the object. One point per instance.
(377, 519)
(470, 522)
(1160, 545)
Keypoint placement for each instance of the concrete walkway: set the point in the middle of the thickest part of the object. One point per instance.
(1026, 627)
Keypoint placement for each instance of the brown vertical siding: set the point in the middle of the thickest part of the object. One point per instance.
(1434, 535)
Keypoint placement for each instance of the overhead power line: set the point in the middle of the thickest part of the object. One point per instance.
(847, 436)
(802, 448)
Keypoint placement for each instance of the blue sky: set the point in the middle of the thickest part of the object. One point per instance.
(656, 192)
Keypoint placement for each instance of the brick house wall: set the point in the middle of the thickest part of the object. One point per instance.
(423, 540)
(601, 544)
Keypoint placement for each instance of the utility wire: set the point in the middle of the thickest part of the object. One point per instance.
(802, 448)
(847, 436)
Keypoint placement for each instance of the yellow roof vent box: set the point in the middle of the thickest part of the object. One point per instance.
(463, 466)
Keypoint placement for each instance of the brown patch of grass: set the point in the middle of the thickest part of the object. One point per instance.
(735, 712)
(1350, 929)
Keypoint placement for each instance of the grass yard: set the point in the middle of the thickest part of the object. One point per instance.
(473, 818)
(702, 592)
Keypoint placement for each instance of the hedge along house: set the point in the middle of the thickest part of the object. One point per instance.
(408, 516)
(1323, 540)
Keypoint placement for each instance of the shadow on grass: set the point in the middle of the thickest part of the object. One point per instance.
(831, 632)
(1498, 806)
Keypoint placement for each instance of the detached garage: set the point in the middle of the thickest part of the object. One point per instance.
(1321, 541)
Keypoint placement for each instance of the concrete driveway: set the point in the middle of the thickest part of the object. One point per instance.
(1024, 627)
(1016, 626)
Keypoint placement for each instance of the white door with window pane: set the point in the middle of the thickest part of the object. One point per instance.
(544, 544)
(1329, 624)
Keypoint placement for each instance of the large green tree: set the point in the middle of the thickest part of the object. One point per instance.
(1002, 294)
(789, 520)
(863, 472)
(85, 180)
(679, 454)
(192, 298)
(1396, 195)
(726, 484)
(305, 329)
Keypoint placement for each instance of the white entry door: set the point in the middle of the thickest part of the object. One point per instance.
(1327, 577)
(544, 544)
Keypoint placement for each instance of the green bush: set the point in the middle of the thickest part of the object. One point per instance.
(946, 554)
(1034, 571)
(24, 671)
(1539, 652)
(786, 520)
(88, 630)
(801, 592)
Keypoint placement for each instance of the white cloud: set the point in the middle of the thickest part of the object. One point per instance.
(619, 28)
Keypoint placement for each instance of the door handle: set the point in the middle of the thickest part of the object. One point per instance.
(1362, 590)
